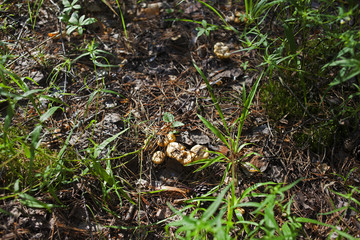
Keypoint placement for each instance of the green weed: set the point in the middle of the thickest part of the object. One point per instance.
(231, 138)
(256, 11)
(352, 204)
(231, 217)
(94, 53)
(169, 118)
(33, 9)
(302, 83)
(74, 21)
(205, 29)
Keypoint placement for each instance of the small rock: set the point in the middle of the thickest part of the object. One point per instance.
(199, 138)
(184, 137)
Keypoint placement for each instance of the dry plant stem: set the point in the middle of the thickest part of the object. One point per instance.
(233, 170)
(86, 213)
(18, 38)
(65, 73)
(139, 192)
(28, 52)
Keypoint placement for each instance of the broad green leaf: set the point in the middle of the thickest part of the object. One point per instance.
(70, 30)
(48, 114)
(88, 21)
(80, 30)
(269, 218)
(168, 117)
(287, 231)
(30, 201)
(200, 31)
(64, 18)
(17, 186)
(106, 142)
(81, 20)
(66, 3)
(177, 124)
(74, 19)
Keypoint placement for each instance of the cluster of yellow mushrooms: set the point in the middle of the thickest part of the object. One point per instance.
(178, 151)
(221, 50)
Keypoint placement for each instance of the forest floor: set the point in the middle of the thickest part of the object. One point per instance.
(153, 75)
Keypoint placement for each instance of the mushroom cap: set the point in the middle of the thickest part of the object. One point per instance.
(174, 150)
(186, 158)
(200, 152)
(171, 137)
(221, 50)
(164, 141)
(158, 157)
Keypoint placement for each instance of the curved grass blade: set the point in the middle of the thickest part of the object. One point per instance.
(246, 107)
(213, 98)
(214, 130)
(313, 221)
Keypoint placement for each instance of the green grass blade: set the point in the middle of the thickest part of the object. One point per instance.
(208, 162)
(214, 130)
(287, 187)
(255, 186)
(48, 114)
(35, 141)
(245, 110)
(214, 10)
(290, 37)
(99, 148)
(9, 115)
(313, 221)
(215, 205)
(30, 201)
(216, 103)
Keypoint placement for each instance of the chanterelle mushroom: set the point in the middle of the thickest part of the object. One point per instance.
(186, 157)
(158, 157)
(164, 141)
(200, 152)
(174, 150)
(221, 50)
